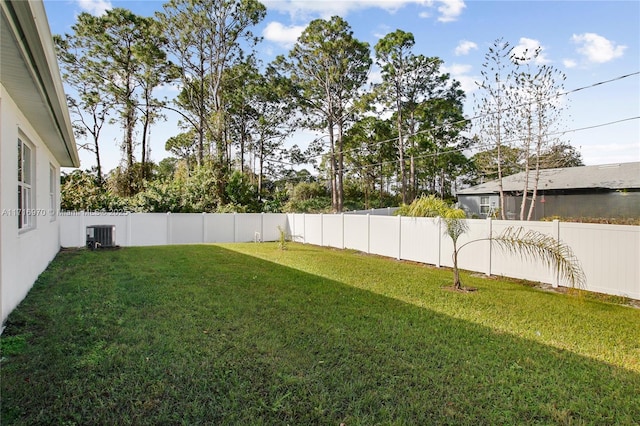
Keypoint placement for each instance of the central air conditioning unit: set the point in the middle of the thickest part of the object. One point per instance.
(101, 236)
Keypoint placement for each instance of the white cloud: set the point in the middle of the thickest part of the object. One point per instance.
(527, 47)
(464, 47)
(381, 31)
(597, 48)
(281, 34)
(95, 7)
(461, 72)
(569, 63)
(450, 9)
(457, 69)
(302, 9)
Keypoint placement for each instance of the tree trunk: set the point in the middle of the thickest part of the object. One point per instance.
(128, 145)
(145, 128)
(536, 179)
(260, 165)
(403, 175)
(527, 166)
(456, 273)
(499, 152)
(340, 177)
(201, 114)
(332, 172)
(98, 163)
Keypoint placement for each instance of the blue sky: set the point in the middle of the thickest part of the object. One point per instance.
(590, 41)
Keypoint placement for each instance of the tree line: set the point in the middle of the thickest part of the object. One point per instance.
(382, 144)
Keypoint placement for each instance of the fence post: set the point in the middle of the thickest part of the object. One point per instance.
(234, 227)
(304, 228)
(342, 230)
(262, 227)
(440, 236)
(83, 230)
(204, 227)
(168, 228)
(399, 236)
(321, 230)
(368, 233)
(129, 230)
(490, 222)
(556, 232)
(291, 227)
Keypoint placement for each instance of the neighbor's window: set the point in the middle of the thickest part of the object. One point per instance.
(25, 190)
(52, 192)
(484, 205)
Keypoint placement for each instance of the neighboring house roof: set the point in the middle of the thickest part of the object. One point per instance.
(30, 74)
(608, 176)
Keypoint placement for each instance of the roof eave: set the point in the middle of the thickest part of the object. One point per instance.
(31, 27)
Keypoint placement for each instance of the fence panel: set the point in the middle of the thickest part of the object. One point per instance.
(313, 229)
(513, 265)
(147, 229)
(609, 255)
(384, 235)
(420, 239)
(248, 227)
(72, 233)
(476, 255)
(295, 226)
(332, 230)
(186, 228)
(219, 228)
(270, 225)
(356, 232)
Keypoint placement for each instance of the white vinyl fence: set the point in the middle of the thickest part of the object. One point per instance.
(609, 254)
(149, 229)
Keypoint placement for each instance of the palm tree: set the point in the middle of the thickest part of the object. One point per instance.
(529, 244)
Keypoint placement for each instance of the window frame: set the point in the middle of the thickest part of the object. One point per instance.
(485, 205)
(53, 192)
(26, 185)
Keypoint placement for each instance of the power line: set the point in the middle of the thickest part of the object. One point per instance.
(594, 126)
(428, 155)
(487, 146)
(477, 117)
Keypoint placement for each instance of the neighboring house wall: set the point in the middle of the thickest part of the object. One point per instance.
(609, 204)
(26, 252)
(623, 204)
(606, 191)
(479, 206)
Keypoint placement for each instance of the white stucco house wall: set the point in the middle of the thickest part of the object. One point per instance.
(36, 140)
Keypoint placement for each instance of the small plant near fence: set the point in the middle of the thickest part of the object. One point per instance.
(282, 240)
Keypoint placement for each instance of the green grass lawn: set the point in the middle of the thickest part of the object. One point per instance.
(250, 334)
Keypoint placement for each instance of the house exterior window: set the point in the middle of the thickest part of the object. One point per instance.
(52, 192)
(485, 207)
(25, 188)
